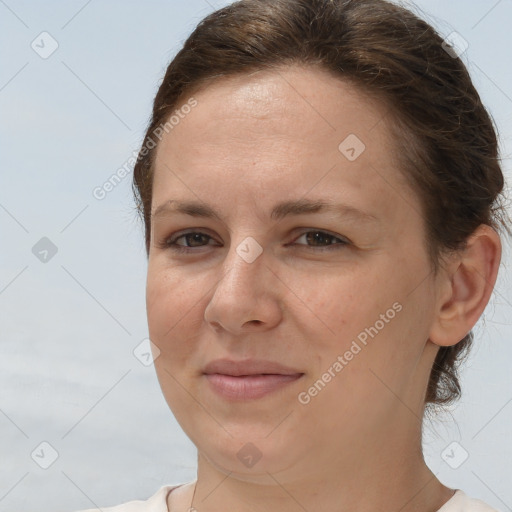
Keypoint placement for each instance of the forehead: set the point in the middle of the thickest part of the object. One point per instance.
(284, 131)
(291, 101)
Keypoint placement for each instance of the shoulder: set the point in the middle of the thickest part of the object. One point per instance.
(156, 503)
(461, 502)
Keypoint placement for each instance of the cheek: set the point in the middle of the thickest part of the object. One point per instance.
(345, 302)
(171, 303)
(389, 318)
(370, 306)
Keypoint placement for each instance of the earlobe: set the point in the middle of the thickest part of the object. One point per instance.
(467, 284)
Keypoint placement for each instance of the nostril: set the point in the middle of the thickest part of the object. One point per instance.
(256, 321)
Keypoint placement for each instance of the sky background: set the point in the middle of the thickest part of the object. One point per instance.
(69, 325)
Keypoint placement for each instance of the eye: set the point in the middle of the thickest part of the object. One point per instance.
(322, 240)
(319, 240)
(192, 239)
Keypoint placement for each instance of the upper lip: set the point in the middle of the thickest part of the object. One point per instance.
(248, 367)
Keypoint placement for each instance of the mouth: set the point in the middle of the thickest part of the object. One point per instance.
(248, 367)
(248, 379)
(248, 387)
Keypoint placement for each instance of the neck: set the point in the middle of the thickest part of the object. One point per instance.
(362, 477)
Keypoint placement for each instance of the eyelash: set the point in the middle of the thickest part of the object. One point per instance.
(170, 243)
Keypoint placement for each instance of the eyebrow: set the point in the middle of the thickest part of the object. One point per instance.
(280, 211)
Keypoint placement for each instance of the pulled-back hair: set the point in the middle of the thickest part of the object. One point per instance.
(445, 139)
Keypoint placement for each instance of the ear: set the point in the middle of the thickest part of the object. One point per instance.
(465, 286)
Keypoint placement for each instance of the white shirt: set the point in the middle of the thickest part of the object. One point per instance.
(459, 502)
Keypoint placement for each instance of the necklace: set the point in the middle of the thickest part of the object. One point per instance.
(191, 508)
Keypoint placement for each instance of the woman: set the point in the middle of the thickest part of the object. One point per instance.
(321, 195)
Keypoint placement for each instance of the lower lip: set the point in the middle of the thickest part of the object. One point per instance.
(248, 386)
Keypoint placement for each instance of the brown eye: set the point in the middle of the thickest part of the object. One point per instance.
(192, 239)
(321, 239)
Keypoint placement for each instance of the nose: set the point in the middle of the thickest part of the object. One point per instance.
(246, 298)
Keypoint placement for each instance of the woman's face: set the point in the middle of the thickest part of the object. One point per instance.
(341, 294)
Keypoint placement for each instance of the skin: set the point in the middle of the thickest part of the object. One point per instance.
(251, 142)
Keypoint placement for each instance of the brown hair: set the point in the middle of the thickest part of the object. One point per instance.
(446, 141)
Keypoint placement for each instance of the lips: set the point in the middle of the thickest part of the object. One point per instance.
(248, 367)
(248, 387)
(249, 379)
